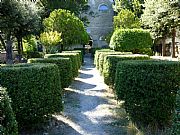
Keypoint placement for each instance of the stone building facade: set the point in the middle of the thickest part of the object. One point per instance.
(100, 16)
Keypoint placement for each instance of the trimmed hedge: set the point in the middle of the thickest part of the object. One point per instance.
(131, 40)
(102, 55)
(80, 56)
(8, 123)
(97, 53)
(64, 65)
(176, 122)
(35, 91)
(72, 56)
(110, 63)
(149, 90)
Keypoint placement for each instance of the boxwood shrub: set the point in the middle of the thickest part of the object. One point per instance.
(149, 90)
(102, 55)
(8, 124)
(176, 123)
(72, 56)
(64, 65)
(110, 63)
(80, 56)
(133, 40)
(96, 56)
(35, 91)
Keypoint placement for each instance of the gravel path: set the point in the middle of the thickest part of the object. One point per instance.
(89, 108)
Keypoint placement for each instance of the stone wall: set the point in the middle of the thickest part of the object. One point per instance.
(101, 21)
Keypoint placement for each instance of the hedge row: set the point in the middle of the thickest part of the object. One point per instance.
(131, 40)
(102, 55)
(97, 53)
(149, 90)
(176, 122)
(35, 91)
(8, 124)
(110, 64)
(64, 66)
(79, 54)
(74, 58)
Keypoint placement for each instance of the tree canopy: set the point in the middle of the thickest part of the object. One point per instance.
(17, 19)
(126, 19)
(71, 27)
(162, 17)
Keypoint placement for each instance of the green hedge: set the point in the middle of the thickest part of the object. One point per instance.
(72, 56)
(133, 40)
(80, 56)
(149, 90)
(176, 122)
(97, 53)
(8, 124)
(64, 65)
(35, 91)
(110, 63)
(102, 55)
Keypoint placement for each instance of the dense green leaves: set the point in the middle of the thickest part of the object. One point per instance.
(149, 90)
(74, 58)
(176, 122)
(71, 27)
(131, 40)
(8, 124)
(50, 40)
(35, 91)
(126, 19)
(64, 66)
(110, 65)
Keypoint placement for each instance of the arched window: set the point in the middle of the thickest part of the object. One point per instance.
(103, 7)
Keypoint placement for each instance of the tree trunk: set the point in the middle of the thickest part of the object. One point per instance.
(173, 43)
(2, 41)
(9, 51)
(164, 46)
(19, 49)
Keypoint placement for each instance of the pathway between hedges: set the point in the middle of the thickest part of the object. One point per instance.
(89, 108)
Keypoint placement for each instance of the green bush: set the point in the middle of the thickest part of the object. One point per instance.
(72, 56)
(102, 55)
(176, 122)
(80, 56)
(96, 56)
(35, 91)
(8, 124)
(64, 65)
(131, 40)
(110, 63)
(149, 90)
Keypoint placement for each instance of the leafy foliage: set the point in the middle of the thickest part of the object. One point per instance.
(126, 19)
(110, 65)
(176, 122)
(75, 6)
(131, 40)
(73, 56)
(149, 92)
(8, 124)
(64, 66)
(71, 27)
(160, 16)
(50, 40)
(133, 5)
(35, 91)
(18, 19)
